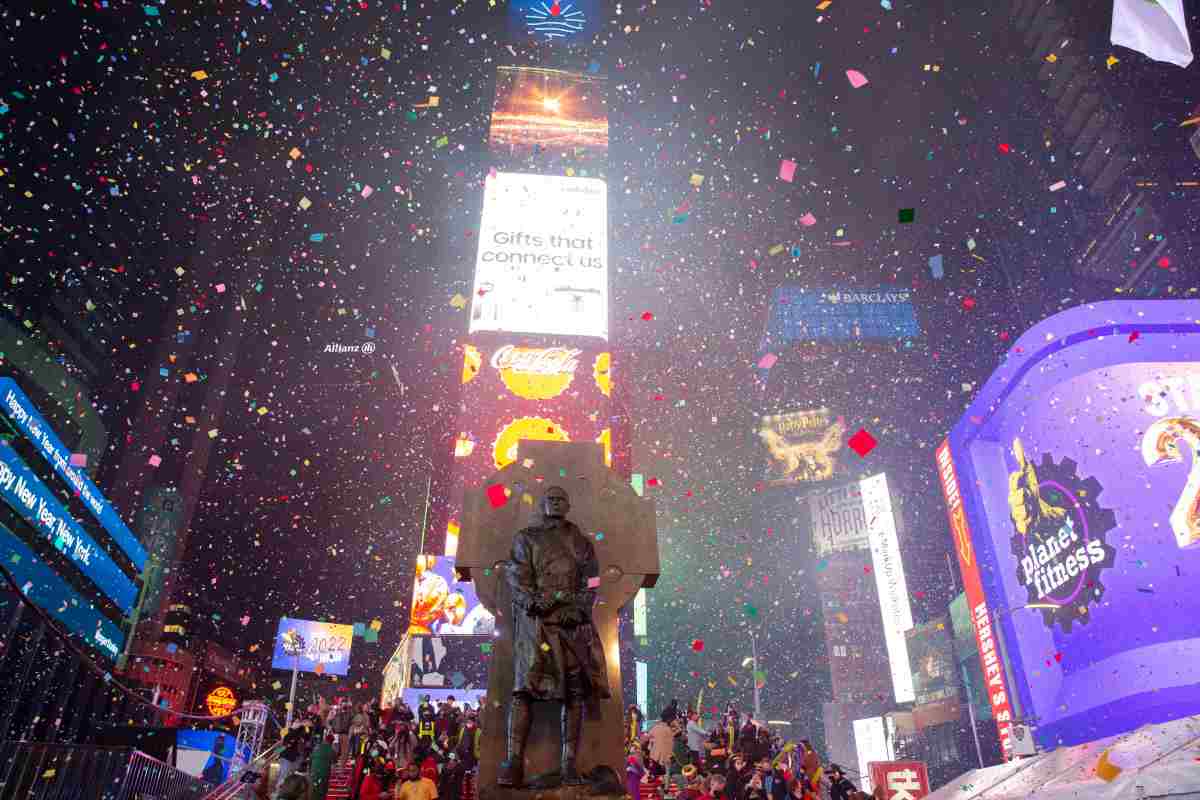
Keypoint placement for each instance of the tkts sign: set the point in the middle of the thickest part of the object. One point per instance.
(900, 780)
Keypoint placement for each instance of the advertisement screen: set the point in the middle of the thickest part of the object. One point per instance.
(901, 780)
(36, 504)
(443, 605)
(207, 754)
(1074, 498)
(448, 662)
(16, 406)
(548, 112)
(44, 586)
(839, 522)
(319, 647)
(870, 744)
(802, 312)
(473, 697)
(804, 446)
(931, 660)
(554, 21)
(542, 266)
(894, 604)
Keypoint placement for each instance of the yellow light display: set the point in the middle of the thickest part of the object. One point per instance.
(602, 372)
(504, 450)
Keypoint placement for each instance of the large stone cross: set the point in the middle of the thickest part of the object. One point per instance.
(622, 527)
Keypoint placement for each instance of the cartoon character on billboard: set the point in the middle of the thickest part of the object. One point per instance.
(430, 594)
(808, 460)
(1160, 446)
(1025, 500)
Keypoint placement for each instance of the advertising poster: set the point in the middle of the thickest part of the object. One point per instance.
(838, 520)
(443, 605)
(207, 754)
(1073, 487)
(931, 660)
(448, 662)
(806, 313)
(804, 446)
(542, 265)
(516, 391)
(870, 745)
(549, 112)
(321, 647)
(901, 780)
(894, 605)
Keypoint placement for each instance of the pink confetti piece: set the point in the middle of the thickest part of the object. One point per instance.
(78, 459)
(787, 170)
(808, 220)
(155, 460)
(593, 583)
(767, 361)
(1054, 187)
(856, 78)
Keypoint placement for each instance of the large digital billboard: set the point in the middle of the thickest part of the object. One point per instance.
(888, 566)
(542, 265)
(443, 605)
(804, 446)
(803, 312)
(839, 522)
(453, 662)
(311, 646)
(550, 113)
(554, 21)
(1073, 488)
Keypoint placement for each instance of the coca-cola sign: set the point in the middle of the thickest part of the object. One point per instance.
(536, 373)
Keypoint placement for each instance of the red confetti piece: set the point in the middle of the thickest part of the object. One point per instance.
(1058, 657)
(1133, 337)
(653, 482)
(647, 316)
(698, 645)
(496, 495)
(862, 442)
(968, 303)
(1004, 148)
(1164, 262)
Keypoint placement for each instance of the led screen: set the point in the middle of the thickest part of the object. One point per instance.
(442, 605)
(310, 646)
(448, 662)
(549, 113)
(802, 312)
(542, 265)
(554, 21)
(207, 754)
(44, 586)
(1073, 483)
(804, 446)
(888, 566)
(838, 520)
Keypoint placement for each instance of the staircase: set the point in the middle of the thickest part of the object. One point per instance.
(341, 778)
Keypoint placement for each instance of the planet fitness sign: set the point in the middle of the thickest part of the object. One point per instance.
(1072, 485)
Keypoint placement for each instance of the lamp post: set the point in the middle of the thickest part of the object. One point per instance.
(294, 646)
(754, 676)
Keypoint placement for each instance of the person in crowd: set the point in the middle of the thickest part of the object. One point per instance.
(754, 788)
(360, 727)
(796, 789)
(810, 770)
(427, 722)
(290, 755)
(695, 736)
(634, 772)
(402, 712)
(450, 786)
(415, 787)
(692, 788)
(662, 740)
(403, 744)
(840, 787)
(319, 766)
(340, 724)
(777, 783)
(429, 767)
(295, 787)
(468, 743)
(633, 724)
(680, 754)
(738, 776)
(716, 788)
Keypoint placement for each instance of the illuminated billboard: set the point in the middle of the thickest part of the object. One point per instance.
(803, 446)
(931, 660)
(310, 646)
(549, 112)
(442, 605)
(870, 745)
(554, 21)
(451, 662)
(542, 265)
(1074, 501)
(838, 520)
(889, 579)
(806, 313)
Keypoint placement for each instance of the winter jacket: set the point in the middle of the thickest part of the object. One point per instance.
(662, 742)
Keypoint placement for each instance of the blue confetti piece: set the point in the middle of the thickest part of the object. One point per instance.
(370, 333)
(935, 267)
(795, 252)
(3, 108)
(887, 4)
(317, 237)
(274, 77)
(817, 70)
(151, 11)
(172, 647)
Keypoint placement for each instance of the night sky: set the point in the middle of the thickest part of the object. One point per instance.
(140, 140)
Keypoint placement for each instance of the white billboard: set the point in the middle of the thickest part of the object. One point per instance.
(889, 579)
(838, 520)
(870, 744)
(542, 266)
(642, 670)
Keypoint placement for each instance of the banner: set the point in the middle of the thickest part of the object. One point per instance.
(542, 265)
(319, 647)
(803, 446)
(838, 520)
(901, 780)
(888, 565)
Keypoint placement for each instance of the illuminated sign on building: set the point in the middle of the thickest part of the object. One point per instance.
(803, 445)
(549, 113)
(838, 520)
(442, 605)
(900, 780)
(1072, 487)
(311, 646)
(542, 266)
(642, 670)
(805, 313)
(221, 701)
(536, 373)
(889, 578)
(870, 744)
(30, 498)
(639, 613)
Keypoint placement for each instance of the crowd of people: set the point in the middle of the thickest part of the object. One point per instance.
(392, 753)
(733, 758)
(432, 754)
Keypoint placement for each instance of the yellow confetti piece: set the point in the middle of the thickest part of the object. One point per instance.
(262, 410)
(276, 685)
(199, 74)
(50, 773)
(294, 153)
(213, 433)
(305, 204)
(1052, 58)
(385, 54)
(733, 681)
(458, 301)
(775, 250)
(696, 180)
(1111, 61)
(545, 647)
(376, 625)
(824, 4)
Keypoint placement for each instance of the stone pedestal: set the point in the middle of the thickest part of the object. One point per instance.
(622, 527)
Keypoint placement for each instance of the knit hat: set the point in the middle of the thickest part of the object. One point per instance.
(689, 771)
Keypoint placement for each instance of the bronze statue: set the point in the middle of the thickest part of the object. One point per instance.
(557, 655)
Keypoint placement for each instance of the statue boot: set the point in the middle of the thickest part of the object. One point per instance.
(520, 717)
(572, 729)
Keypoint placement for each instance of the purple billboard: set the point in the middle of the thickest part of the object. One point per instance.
(1078, 466)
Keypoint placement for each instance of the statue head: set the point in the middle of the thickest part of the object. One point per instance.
(555, 503)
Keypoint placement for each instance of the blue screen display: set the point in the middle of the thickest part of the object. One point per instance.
(44, 586)
(801, 312)
(554, 21)
(30, 498)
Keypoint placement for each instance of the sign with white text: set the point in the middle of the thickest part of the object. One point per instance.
(901, 780)
(542, 266)
(838, 520)
(889, 578)
(311, 646)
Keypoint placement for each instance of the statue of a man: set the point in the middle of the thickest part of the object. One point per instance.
(557, 654)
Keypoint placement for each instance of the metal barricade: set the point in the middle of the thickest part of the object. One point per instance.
(39, 771)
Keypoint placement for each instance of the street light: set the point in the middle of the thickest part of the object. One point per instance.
(293, 645)
(754, 677)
